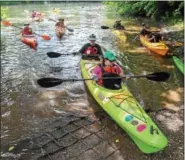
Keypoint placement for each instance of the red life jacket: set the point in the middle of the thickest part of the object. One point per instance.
(107, 69)
(26, 31)
(91, 50)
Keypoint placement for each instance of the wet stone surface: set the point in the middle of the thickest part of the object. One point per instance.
(76, 138)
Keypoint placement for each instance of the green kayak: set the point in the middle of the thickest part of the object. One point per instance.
(126, 111)
(179, 63)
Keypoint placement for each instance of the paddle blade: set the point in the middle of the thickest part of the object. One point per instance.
(45, 37)
(53, 54)
(104, 27)
(6, 23)
(69, 29)
(49, 82)
(158, 76)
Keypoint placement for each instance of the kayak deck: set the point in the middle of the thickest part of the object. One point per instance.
(179, 64)
(126, 111)
(60, 32)
(159, 47)
(30, 40)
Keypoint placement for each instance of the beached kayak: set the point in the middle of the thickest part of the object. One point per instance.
(126, 111)
(30, 40)
(120, 34)
(179, 63)
(159, 47)
(60, 32)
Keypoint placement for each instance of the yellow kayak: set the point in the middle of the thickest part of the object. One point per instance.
(157, 47)
(120, 34)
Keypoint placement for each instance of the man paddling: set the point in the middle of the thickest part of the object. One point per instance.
(91, 48)
(153, 37)
(117, 25)
(26, 30)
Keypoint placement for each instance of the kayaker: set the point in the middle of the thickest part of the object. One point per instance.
(117, 25)
(27, 30)
(60, 27)
(91, 48)
(60, 23)
(108, 67)
(152, 37)
(34, 14)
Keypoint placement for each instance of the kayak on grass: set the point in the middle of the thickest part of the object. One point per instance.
(30, 40)
(126, 111)
(156, 47)
(179, 63)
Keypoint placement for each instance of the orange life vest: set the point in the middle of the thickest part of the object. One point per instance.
(107, 69)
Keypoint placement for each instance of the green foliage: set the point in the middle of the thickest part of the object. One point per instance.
(4, 12)
(158, 10)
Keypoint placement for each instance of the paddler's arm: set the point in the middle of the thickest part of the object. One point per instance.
(82, 50)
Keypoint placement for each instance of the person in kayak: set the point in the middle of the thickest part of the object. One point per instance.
(152, 37)
(60, 26)
(34, 14)
(60, 23)
(27, 30)
(108, 68)
(117, 25)
(91, 48)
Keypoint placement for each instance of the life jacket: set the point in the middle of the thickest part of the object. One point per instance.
(26, 31)
(91, 50)
(115, 69)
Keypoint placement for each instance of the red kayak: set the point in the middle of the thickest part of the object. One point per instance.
(30, 40)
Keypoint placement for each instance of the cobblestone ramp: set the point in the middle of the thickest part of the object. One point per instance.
(70, 138)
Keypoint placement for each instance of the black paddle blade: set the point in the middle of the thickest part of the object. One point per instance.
(158, 76)
(104, 27)
(53, 54)
(49, 82)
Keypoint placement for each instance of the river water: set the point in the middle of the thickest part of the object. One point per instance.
(25, 106)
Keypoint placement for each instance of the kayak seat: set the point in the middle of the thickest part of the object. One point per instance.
(112, 83)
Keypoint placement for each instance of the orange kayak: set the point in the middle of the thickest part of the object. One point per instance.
(30, 40)
(60, 32)
(156, 47)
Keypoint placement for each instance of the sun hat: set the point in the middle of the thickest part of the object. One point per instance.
(109, 55)
(92, 37)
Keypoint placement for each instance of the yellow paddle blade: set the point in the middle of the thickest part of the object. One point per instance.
(45, 37)
(178, 44)
(6, 23)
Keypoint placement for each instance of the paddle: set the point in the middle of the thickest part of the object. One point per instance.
(69, 29)
(51, 82)
(7, 24)
(56, 55)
